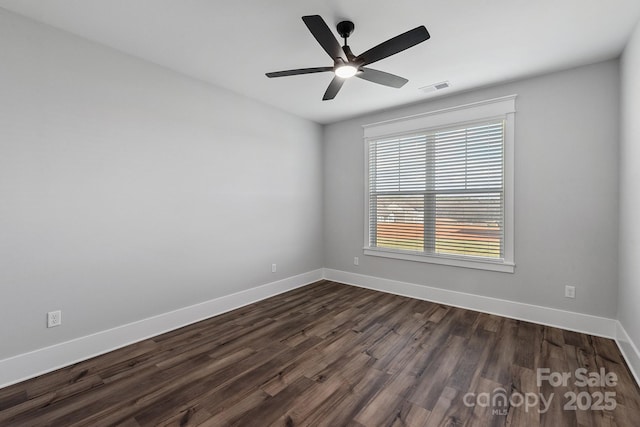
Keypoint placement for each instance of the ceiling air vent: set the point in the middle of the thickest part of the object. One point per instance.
(434, 87)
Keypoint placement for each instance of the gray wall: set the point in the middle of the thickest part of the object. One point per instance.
(127, 190)
(566, 206)
(629, 301)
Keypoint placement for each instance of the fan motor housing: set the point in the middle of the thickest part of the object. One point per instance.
(345, 28)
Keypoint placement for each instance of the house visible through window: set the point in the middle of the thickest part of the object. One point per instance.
(439, 193)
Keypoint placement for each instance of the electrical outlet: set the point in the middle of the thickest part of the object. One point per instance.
(570, 291)
(274, 268)
(356, 261)
(54, 318)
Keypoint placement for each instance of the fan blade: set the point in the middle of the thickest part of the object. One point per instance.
(299, 71)
(394, 45)
(382, 78)
(324, 36)
(333, 88)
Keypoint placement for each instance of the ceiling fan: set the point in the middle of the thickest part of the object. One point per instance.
(346, 64)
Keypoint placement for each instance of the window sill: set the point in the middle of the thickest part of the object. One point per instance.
(465, 262)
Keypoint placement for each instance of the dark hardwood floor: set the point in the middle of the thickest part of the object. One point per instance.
(336, 355)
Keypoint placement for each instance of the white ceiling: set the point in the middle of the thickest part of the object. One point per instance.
(232, 44)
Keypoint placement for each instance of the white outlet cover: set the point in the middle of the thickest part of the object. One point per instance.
(570, 291)
(54, 318)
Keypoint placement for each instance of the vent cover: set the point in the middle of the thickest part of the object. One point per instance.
(436, 86)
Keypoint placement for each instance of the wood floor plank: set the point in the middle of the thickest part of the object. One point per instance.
(440, 368)
(329, 354)
(483, 415)
(223, 418)
(269, 410)
(411, 415)
(307, 402)
(350, 401)
(376, 412)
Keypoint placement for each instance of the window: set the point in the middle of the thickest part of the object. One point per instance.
(439, 187)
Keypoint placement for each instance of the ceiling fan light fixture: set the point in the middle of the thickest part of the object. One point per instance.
(346, 64)
(345, 71)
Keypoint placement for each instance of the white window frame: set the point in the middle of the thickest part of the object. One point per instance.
(499, 108)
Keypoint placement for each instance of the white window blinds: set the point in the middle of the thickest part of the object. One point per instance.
(439, 192)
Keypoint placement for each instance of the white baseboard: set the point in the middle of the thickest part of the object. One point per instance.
(584, 323)
(629, 351)
(28, 365)
(593, 325)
